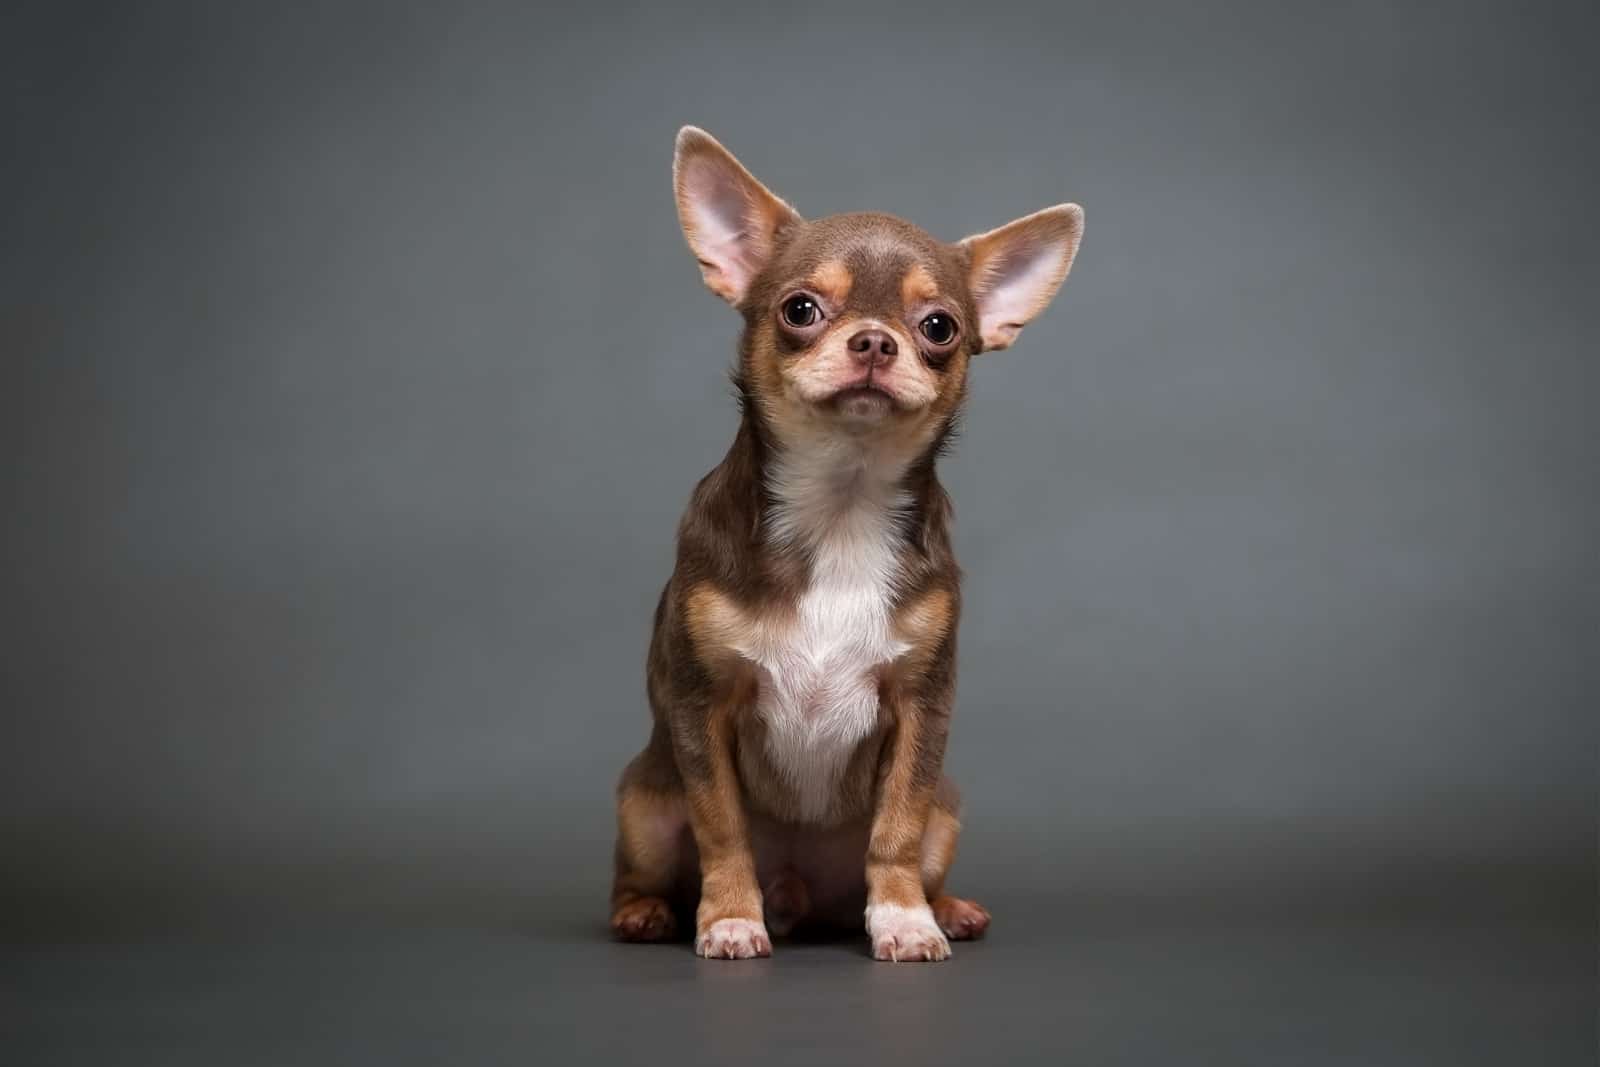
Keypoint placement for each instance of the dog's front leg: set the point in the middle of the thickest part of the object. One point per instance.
(728, 924)
(899, 921)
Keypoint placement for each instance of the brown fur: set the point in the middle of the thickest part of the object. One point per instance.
(702, 813)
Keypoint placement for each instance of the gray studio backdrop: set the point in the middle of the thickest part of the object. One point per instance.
(355, 374)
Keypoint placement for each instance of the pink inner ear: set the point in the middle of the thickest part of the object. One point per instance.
(1022, 283)
(1017, 268)
(721, 223)
(1017, 284)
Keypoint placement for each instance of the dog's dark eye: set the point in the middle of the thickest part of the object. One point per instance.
(800, 311)
(939, 328)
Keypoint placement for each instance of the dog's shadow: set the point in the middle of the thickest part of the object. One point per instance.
(572, 928)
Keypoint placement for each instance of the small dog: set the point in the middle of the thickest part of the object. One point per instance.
(802, 671)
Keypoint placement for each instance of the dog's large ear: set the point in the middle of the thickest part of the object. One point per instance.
(731, 220)
(1017, 269)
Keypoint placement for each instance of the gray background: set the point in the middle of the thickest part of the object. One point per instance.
(356, 374)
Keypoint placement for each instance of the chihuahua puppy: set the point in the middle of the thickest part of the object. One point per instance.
(802, 671)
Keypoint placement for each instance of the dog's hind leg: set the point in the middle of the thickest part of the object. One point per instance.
(655, 855)
(961, 920)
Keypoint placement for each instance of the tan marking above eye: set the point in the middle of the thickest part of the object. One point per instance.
(918, 287)
(832, 282)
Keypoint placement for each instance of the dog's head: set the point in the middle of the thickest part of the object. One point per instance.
(860, 324)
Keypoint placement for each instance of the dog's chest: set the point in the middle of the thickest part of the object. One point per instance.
(818, 692)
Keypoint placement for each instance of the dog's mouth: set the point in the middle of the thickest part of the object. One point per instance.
(864, 400)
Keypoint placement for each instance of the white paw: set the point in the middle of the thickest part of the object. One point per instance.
(733, 939)
(904, 935)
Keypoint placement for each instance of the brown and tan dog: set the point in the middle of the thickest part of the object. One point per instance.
(802, 672)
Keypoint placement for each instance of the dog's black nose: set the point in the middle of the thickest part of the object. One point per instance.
(872, 347)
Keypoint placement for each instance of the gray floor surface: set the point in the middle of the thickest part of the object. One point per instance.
(1081, 980)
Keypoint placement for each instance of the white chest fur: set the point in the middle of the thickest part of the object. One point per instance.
(819, 688)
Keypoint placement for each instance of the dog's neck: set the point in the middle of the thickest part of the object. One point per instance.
(825, 487)
(771, 500)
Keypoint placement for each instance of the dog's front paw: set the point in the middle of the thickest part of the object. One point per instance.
(905, 935)
(733, 939)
